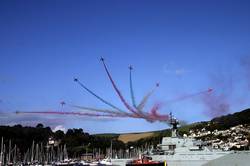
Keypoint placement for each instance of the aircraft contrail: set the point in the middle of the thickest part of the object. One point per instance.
(67, 113)
(97, 96)
(184, 97)
(101, 110)
(117, 90)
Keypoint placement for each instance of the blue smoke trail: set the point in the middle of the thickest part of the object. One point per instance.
(98, 97)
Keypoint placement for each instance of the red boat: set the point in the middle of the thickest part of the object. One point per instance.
(146, 161)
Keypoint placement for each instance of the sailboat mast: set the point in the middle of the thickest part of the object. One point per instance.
(111, 149)
(1, 153)
(9, 151)
(14, 155)
(32, 152)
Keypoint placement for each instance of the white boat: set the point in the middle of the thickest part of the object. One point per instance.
(82, 162)
(106, 161)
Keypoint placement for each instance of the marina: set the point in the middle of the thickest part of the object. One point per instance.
(175, 150)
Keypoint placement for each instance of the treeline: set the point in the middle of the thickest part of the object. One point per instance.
(24, 136)
(77, 141)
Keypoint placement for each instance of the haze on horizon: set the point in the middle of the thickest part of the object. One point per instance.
(186, 46)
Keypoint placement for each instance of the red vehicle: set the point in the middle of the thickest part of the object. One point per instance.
(146, 161)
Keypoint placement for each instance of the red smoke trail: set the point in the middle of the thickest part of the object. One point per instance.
(163, 118)
(210, 90)
(117, 90)
(139, 108)
(216, 105)
(155, 108)
(153, 115)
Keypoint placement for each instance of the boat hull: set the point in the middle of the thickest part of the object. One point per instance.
(148, 164)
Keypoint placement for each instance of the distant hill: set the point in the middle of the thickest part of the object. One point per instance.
(128, 137)
(134, 137)
(226, 121)
(230, 120)
(108, 135)
(222, 122)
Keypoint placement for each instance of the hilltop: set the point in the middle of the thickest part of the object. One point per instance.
(220, 123)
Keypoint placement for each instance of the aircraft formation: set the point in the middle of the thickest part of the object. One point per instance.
(133, 110)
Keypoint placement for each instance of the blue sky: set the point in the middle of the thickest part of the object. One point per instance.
(187, 46)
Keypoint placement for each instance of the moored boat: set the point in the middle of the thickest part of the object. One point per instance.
(146, 161)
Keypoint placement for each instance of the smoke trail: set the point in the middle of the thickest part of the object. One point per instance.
(155, 108)
(142, 104)
(131, 87)
(156, 116)
(98, 97)
(102, 110)
(67, 113)
(117, 90)
(145, 99)
(152, 115)
(163, 118)
(148, 117)
(184, 97)
(216, 105)
(245, 62)
(153, 112)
